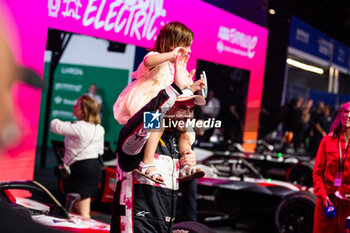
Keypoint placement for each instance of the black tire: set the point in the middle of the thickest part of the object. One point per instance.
(192, 227)
(21, 210)
(295, 214)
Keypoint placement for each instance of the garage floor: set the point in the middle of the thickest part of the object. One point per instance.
(102, 213)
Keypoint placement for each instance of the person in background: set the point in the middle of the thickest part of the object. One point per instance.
(13, 221)
(305, 123)
(319, 127)
(234, 123)
(93, 93)
(332, 174)
(328, 115)
(212, 108)
(83, 142)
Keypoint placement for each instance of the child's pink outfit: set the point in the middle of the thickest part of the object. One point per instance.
(137, 94)
(147, 85)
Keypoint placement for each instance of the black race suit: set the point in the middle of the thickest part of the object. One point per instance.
(141, 205)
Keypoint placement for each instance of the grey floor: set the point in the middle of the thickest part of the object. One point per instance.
(47, 177)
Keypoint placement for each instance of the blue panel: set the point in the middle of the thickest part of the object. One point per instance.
(304, 37)
(341, 55)
(325, 97)
(343, 98)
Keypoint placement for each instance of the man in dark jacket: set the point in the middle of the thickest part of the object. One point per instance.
(141, 205)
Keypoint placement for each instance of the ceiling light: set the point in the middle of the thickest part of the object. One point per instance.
(304, 66)
(272, 11)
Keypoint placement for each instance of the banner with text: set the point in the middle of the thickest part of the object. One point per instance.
(220, 37)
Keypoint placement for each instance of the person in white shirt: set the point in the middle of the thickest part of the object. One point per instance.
(93, 93)
(212, 108)
(83, 142)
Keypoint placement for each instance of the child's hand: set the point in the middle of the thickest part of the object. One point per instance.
(182, 78)
(179, 51)
(197, 85)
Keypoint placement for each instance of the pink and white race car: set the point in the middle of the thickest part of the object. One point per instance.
(31, 198)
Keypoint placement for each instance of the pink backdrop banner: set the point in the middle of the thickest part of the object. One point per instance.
(220, 37)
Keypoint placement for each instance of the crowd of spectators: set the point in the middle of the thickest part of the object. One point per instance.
(302, 123)
(299, 123)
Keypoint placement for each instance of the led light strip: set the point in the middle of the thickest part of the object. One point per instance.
(304, 66)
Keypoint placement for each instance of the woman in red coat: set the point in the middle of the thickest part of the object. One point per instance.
(332, 173)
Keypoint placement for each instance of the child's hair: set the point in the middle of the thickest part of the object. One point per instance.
(90, 107)
(172, 35)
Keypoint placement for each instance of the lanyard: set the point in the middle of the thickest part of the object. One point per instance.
(341, 163)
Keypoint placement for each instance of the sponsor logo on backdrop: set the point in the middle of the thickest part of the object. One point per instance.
(302, 36)
(62, 114)
(341, 55)
(72, 8)
(234, 41)
(58, 99)
(136, 19)
(70, 102)
(324, 47)
(72, 70)
(68, 87)
(54, 7)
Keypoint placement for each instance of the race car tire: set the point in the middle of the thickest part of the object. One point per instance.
(20, 210)
(191, 227)
(296, 213)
